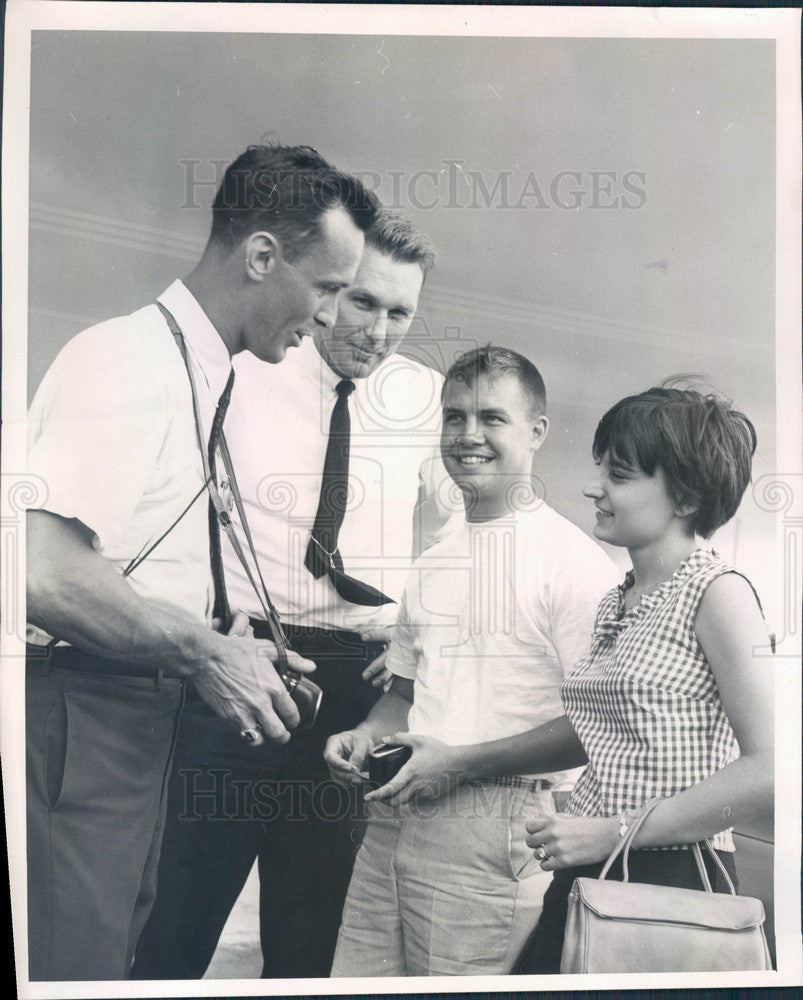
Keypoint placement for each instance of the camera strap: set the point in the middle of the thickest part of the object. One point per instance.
(224, 518)
(147, 548)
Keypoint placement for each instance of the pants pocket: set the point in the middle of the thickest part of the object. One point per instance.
(55, 747)
(524, 806)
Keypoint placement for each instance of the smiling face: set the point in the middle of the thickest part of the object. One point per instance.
(488, 439)
(289, 301)
(633, 509)
(374, 314)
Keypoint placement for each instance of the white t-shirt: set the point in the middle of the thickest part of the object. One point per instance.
(111, 432)
(492, 619)
(278, 429)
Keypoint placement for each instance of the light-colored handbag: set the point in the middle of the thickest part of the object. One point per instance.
(633, 927)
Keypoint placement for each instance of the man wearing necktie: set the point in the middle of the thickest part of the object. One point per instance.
(122, 563)
(338, 466)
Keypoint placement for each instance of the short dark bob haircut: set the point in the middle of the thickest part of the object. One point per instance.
(702, 444)
(496, 361)
(284, 190)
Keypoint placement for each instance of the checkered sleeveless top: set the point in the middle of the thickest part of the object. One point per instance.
(644, 701)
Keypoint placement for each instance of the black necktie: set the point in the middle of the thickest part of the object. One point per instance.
(322, 551)
(221, 605)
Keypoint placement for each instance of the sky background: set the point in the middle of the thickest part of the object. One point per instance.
(604, 206)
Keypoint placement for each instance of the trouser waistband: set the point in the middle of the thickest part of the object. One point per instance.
(333, 643)
(70, 658)
(515, 781)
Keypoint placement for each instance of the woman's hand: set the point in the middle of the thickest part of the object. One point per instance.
(430, 773)
(563, 841)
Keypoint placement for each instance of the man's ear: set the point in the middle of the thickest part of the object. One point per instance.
(261, 255)
(540, 427)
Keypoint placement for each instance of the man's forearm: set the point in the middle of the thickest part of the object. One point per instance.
(388, 715)
(553, 746)
(140, 631)
(76, 595)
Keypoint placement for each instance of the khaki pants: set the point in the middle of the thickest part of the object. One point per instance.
(444, 888)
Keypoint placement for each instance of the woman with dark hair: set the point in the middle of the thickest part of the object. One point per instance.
(674, 699)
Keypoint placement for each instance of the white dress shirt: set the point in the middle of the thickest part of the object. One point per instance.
(278, 428)
(111, 431)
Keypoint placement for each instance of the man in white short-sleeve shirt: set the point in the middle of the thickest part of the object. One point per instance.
(281, 806)
(492, 619)
(119, 589)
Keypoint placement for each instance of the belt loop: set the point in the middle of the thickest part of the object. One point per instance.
(158, 677)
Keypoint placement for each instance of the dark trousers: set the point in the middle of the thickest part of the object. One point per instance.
(98, 756)
(541, 954)
(230, 804)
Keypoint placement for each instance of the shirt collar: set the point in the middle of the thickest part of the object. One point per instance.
(205, 343)
(613, 618)
(313, 365)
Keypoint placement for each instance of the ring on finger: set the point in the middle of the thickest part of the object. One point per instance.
(251, 735)
(540, 853)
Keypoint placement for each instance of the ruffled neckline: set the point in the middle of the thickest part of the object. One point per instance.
(618, 618)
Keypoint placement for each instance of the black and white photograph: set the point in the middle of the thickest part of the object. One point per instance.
(401, 498)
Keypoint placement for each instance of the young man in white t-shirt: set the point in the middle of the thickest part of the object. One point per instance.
(492, 619)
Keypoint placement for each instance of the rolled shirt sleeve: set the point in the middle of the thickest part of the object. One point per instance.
(401, 659)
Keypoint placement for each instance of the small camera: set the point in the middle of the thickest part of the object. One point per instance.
(385, 762)
(306, 696)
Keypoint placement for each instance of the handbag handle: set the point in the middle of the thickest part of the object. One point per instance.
(626, 842)
(698, 857)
